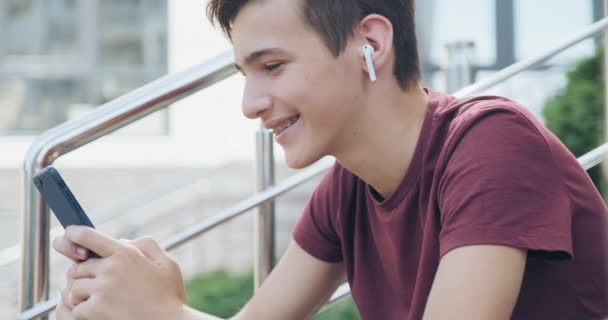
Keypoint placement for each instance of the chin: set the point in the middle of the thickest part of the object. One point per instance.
(300, 161)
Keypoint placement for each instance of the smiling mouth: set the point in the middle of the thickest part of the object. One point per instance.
(291, 121)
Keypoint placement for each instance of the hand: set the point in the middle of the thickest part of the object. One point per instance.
(133, 280)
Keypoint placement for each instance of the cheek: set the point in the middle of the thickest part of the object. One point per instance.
(321, 95)
(293, 89)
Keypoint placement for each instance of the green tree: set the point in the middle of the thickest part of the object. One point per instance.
(576, 113)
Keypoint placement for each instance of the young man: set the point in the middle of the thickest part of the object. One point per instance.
(436, 208)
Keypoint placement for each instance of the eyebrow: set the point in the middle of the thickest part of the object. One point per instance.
(256, 55)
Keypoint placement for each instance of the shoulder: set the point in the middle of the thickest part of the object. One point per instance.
(499, 181)
(454, 117)
(491, 122)
(470, 111)
(494, 141)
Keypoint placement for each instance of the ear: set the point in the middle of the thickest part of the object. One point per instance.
(376, 30)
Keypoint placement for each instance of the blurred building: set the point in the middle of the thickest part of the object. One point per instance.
(59, 58)
(493, 34)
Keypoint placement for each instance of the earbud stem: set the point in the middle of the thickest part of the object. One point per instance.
(370, 69)
(368, 51)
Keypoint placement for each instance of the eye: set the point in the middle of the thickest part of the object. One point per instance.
(272, 66)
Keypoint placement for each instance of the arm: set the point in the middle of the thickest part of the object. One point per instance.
(297, 287)
(119, 283)
(476, 282)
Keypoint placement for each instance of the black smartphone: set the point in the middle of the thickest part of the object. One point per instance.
(61, 200)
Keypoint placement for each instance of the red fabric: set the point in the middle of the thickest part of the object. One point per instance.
(484, 172)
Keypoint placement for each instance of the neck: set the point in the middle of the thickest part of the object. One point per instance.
(380, 144)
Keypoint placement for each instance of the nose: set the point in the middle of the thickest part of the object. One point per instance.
(255, 101)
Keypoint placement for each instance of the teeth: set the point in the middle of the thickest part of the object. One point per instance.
(285, 125)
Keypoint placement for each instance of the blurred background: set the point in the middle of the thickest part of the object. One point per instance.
(60, 59)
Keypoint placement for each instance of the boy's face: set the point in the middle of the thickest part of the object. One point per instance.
(293, 79)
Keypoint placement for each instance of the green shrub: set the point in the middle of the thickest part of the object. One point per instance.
(218, 293)
(576, 113)
(223, 295)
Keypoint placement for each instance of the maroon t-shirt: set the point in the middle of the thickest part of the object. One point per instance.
(484, 171)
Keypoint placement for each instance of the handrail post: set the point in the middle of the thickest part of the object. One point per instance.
(34, 275)
(460, 65)
(264, 225)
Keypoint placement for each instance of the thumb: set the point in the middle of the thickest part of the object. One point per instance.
(149, 248)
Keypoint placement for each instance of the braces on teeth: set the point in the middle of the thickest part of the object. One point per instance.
(281, 128)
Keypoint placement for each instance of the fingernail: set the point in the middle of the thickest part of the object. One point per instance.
(81, 252)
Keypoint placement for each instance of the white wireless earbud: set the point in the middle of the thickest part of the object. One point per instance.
(368, 51)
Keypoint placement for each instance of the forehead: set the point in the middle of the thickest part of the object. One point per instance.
(270, 24)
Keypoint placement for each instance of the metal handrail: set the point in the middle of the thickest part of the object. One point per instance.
(248, 204)
(72, 135)
(141, 102)
(264, 230)
(594, 157)
(518, 67)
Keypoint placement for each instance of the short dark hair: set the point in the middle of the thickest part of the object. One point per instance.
(335, 21)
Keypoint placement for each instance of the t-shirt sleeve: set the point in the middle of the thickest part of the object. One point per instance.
(316, 231)
(501, 186)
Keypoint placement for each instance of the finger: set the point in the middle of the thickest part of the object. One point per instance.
(149, 247)
(68, 276)
(93, 240)
(65, 301)
(83, 270)
(86, 310)
(81, 291)
(69, 249)
(63, 313)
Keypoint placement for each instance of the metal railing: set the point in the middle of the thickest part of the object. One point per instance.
(155, 96)
(264, 228)
(518, 67)
(72, 135)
